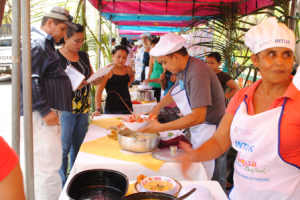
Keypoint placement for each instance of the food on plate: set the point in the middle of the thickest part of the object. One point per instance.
(119, 127)
(137, 118)
(140, 178)
(113, 135)
(170, 134)
(158, 186)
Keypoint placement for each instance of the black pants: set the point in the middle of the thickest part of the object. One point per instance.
(143, 75)
(157, 93)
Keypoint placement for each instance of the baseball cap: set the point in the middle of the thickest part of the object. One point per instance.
(60, 13)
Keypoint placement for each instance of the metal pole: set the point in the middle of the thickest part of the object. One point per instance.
(110, 35)
(16, 74)
(27, 99)
(116, 32)
(118, 36)
(99, 36)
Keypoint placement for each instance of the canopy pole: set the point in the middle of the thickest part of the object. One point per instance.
(118, 35)
(27, 98)
(110, 35)
(16, 74)
(115, 31)
(99, 36)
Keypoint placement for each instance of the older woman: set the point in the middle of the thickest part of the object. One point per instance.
(262, 122)
(74, 124)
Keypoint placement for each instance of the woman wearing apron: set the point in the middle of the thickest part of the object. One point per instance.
(262, 122)
(197, 93)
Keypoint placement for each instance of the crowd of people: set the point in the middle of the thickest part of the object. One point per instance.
(261, 121)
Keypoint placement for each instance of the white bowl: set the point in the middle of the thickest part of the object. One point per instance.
(201, 192)
(159, 178)
(134, 126)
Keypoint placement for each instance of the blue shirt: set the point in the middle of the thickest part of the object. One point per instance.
(51, 86)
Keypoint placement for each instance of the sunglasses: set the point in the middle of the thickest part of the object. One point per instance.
(70, 17)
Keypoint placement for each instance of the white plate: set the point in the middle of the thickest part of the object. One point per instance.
(139, 188)
(145, 87)
(164, 135)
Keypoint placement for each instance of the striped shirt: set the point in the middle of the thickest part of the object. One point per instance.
(51, 86)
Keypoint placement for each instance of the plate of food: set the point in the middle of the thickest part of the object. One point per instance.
(157, 184)
(135, 122)
(167, 135)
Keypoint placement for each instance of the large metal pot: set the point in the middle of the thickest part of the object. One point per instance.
(138, 142)
(141, 94)
(149, 95)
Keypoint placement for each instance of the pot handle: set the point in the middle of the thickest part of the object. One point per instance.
(187, 194)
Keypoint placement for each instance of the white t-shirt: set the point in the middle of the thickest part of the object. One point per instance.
(140, 54)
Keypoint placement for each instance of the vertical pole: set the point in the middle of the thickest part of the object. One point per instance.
(99, 36)
(16, 74)
(118, 36)
(115, 31)
(110, 35)
(27, 98)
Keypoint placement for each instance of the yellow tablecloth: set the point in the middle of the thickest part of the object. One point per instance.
(130, 189)
(110, 148)
(105, 123)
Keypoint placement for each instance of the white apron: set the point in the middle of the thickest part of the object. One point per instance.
(260, 173)
(199, 133)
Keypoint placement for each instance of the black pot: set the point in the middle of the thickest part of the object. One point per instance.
(98, 184)
(149, 195)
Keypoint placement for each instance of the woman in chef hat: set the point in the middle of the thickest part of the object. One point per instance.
(262, 122)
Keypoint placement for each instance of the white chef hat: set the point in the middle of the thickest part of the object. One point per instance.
(146, 34)
(168, 44)
(269, 34)
(140, 42)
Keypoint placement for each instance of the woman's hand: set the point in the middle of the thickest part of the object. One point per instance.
(162, 77)
(98, 80)
(96, 113)
(145, 82)
(173, 78)
(83, 84)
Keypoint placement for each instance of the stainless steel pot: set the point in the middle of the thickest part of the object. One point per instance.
(138, 142)
(149, 95)
(141, 94)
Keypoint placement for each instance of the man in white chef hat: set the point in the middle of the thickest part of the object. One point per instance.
(197, 92)
(261, 122)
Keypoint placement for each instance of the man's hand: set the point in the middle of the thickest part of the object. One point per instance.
(153, 126)
(51, 119)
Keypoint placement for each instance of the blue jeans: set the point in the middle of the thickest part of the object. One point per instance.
(73, 130)
(118, 112)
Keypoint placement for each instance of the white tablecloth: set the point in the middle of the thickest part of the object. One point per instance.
(85, 161)
(213, 186)
(138, 108)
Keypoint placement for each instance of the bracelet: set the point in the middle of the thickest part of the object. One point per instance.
(98, 109)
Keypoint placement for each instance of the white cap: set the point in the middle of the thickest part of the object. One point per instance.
(146, 34)
(140, 42)
(168, 44)
(269, 34)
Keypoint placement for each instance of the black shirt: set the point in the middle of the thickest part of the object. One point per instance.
(223, 78)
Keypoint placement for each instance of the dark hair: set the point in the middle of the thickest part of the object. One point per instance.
(151, 37)
(215, 55)
(154, 41)
(119, 47)
(181, 51)
(124, 42)
(70, 32)
(113, 40)
(56, 21)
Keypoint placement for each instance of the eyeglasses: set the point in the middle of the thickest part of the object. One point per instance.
(70, 17)
(79, 41)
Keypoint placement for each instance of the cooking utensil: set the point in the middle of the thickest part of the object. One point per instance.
(149, 95)
(141, 95)
(167, 155)
(138, 142)
(98, 184)
(156, 195)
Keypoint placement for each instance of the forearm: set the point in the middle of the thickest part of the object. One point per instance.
(231, 93)
(165, 101)
(131, 80)
(155, 80)
(98, 98)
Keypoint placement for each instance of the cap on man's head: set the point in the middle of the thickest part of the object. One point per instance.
(140, 42)
(60, 13)
(146, 34)
(268, 34)
(168, 44)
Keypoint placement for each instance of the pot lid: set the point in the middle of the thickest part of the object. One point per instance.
(167, 155)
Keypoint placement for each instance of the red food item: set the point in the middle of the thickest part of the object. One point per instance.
(136, 102)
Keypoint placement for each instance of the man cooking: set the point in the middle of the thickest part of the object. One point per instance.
(197, 93)
(262, 122)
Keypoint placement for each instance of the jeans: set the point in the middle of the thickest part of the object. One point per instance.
(118, 112)
(220, 173)
(73, 130)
